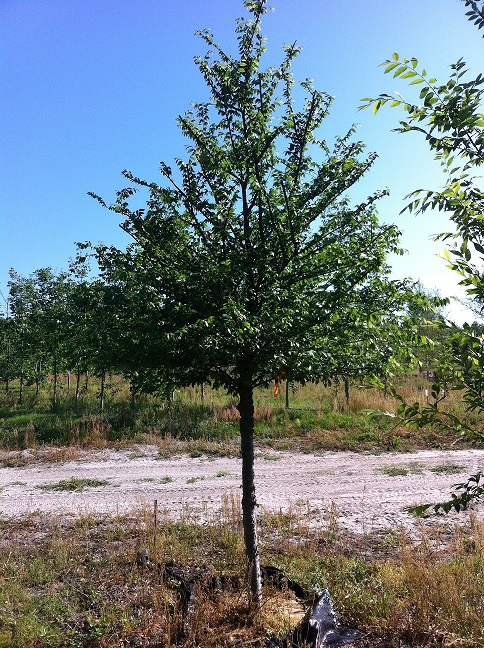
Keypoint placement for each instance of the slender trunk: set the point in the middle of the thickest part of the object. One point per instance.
(68, 380)
(202, 391)
(133, 395)
(8, 362)
(87, 380)
(287, 394)
(335, 396)
(54, 399)
(347, 391)
(78, 384)
(101, 395)
(249, 502)
(37, 369)
(21, 388)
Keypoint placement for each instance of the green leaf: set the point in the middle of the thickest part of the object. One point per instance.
(409, 74)
(399, 71)
(377, 105)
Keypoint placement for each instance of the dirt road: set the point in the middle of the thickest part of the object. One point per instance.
(366, 489)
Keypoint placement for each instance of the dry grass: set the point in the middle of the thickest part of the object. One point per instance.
(319, 419)
(82, 583)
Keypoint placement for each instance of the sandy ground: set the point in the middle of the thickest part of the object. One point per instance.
(350, 485)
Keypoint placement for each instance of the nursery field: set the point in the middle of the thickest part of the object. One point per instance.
(82, 568)
(200, 419)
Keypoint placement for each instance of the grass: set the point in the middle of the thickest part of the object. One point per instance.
(270, 457)
(413, 468)
(193, 480)
(394, 471)
(76, 484)
(448, 469)
(80, 583)
(319, 419)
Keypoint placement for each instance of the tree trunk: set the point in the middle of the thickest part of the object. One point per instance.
(78, 384)
(101, 395)
(335, 396)
(347, 391)
(21, 388)
(249, 502)
(54, 399)
(38, 369)
(287, 394)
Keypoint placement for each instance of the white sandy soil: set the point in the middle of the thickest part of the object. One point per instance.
(350, 485)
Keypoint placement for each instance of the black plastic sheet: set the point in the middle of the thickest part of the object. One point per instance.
(320, 630)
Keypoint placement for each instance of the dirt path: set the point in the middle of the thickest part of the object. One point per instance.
(366, 496)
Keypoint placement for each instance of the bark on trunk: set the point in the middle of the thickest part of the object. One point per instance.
(54, 399)
(249, 502)
(21, 388)
(287, 394)
(78, 384)
(101, 395)
(347, 391)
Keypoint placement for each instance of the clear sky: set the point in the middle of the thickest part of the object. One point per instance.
(91, 87)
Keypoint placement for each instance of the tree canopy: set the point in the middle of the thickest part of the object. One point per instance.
(250, 251)
(449, 116)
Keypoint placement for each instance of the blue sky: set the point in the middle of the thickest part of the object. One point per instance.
(89, 88)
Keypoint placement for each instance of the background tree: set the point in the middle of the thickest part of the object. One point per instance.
(250, 251)
(451, 120)
(38, 306)
(6, 334)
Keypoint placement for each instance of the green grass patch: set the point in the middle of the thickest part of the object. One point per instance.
(448, 469)
(74, 484)
(394, 471)
(411, 468)
(270, 457)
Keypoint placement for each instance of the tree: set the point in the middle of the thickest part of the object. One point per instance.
(38, 307)
(6, 335)
(250, 252)
(451, 120)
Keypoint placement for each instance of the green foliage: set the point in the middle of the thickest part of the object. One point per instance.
(250, 257)
(451, 120)
(464, 493)
(251, 254)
